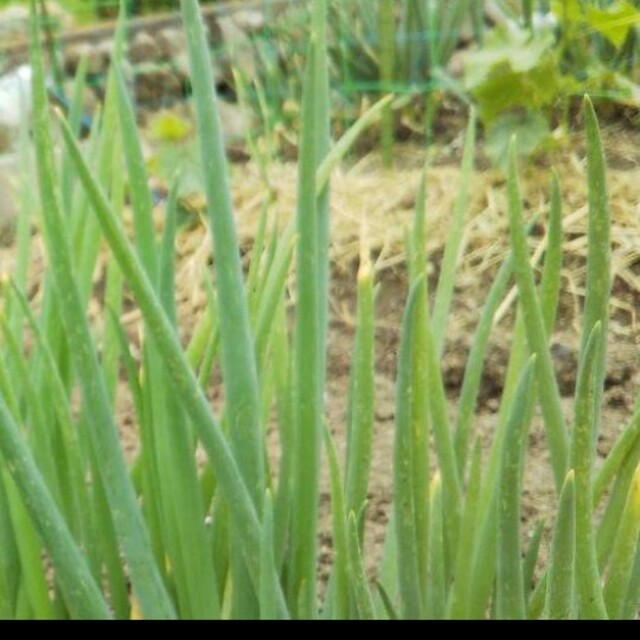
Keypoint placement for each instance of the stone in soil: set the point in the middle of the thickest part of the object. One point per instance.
(143, 48)
(170, 43)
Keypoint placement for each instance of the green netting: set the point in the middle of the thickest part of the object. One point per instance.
(421, 39)
(424, 36)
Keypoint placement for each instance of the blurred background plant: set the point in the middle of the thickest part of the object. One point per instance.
(523, 63)
(89, 10)
(531, 70)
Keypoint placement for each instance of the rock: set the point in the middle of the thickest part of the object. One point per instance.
(6, 142)
(14, 23)
(15, 103)
(170, 43)
(180, 64)
(104, 49)
(72, 56)
(239, 48)
(214, 32)
(9, 186)
(90, 100)
(250, 21)
(60, 17)
(96, 62)
(14, 20)
(157, 86)
(143, 48)
(234, 121)
(458, 61)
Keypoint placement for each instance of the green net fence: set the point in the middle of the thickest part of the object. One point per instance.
(424, 33)
(400, 46)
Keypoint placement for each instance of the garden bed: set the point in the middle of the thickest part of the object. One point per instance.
(379, 204)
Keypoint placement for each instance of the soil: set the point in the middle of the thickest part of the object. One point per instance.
(388, 203)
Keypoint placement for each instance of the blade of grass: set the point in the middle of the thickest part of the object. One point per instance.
(103, 433)
(437, 602)
(113, 296)
(104, 152)
(451, 16)
(9, 560)
(416, 250)
(41, 437)
(473, 368)
(27, 208)
(272, 292)
(71, 452)
(340, 586)
(179, 497)
(536, 332)
(633, 592)
(361, 415)
(30, 554)
(103, 535)
(560, 600)
(629, 439)
(590, 600)
(451, 479)
(551, 278)
(72, 573)
(268, 589)
(260, 260)
(459, 593)
(139, 192)
(357, 576)
(212, 347)
(531, 558)
(510, 602)
(185, 384)
(598, 283)
(311, 318)
(201, 336)
(75, 121)
(180, 494)
(220, 528)
(484, 563)
(444, 291)
(282, 372)
(238, 362)
(403, 504)
(346, 142)
(387, 604)
(387, 33)
(115, 345)
(611, 518)
(619, 571)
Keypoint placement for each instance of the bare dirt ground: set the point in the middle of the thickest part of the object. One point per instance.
(366, 199)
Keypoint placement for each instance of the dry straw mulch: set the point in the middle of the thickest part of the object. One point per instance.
(364, 198)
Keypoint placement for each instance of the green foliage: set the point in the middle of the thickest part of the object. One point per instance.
(516, 82)
(169, 127)
(531, 129)
(615, 21)
(523, 79)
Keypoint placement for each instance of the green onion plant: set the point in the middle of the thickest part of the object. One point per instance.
(89, 531)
